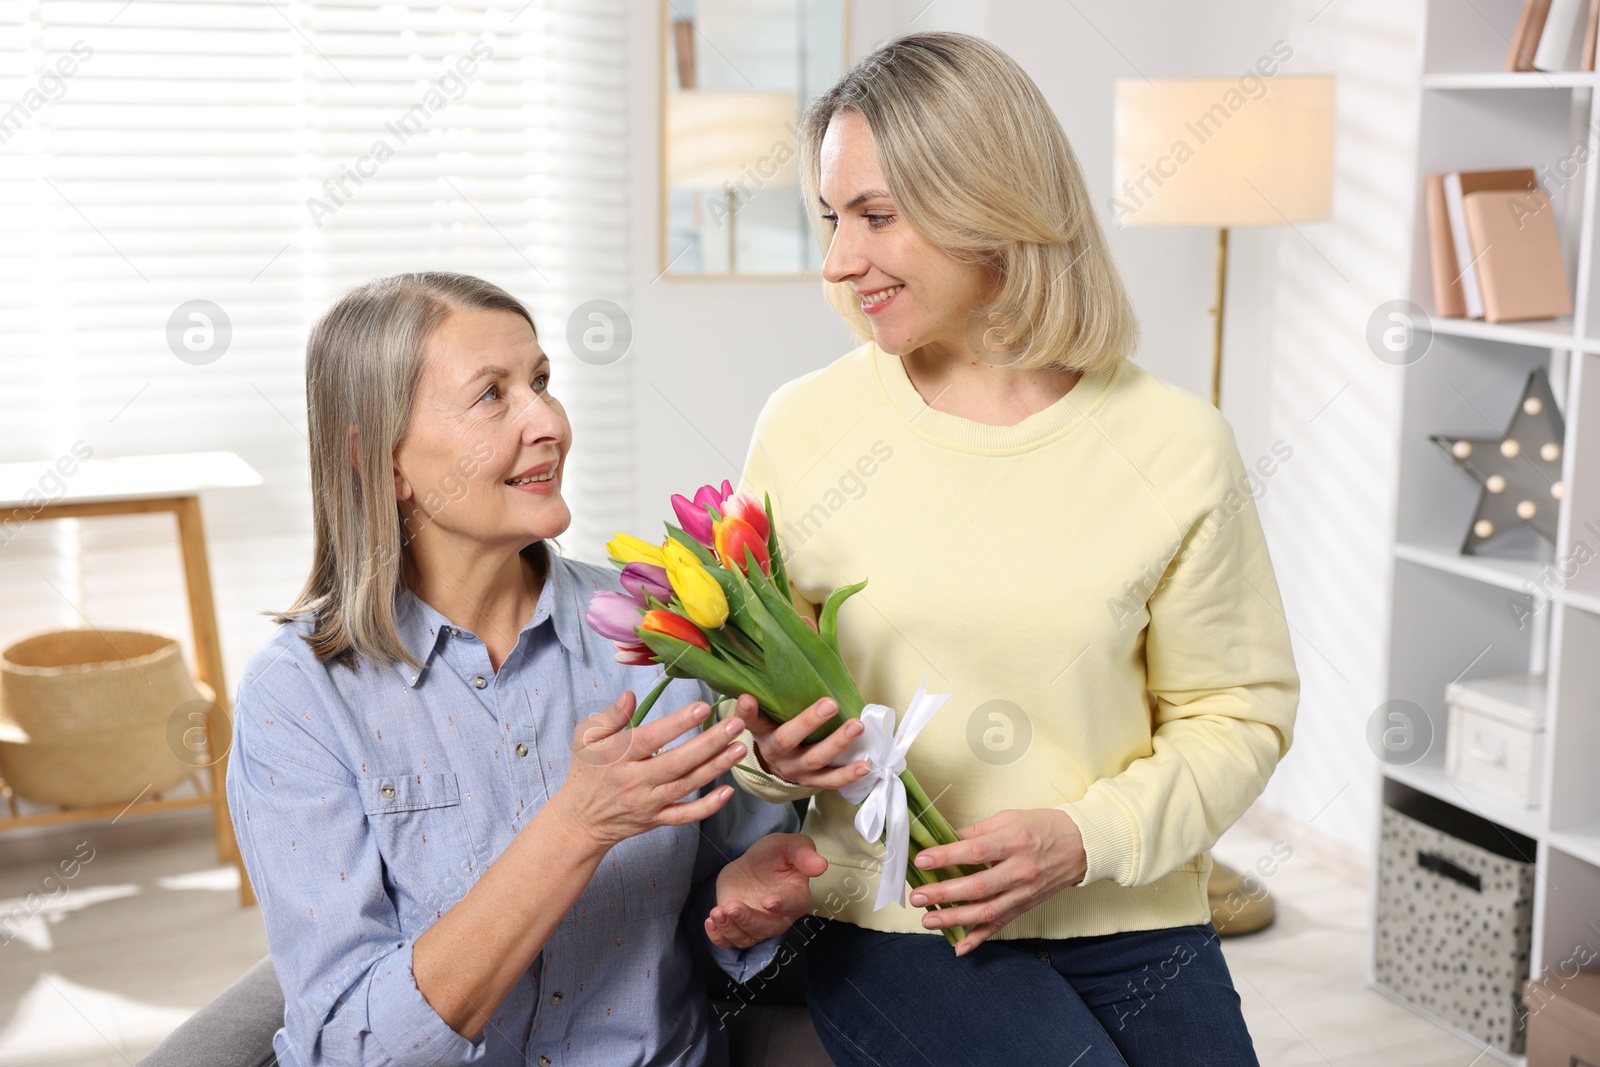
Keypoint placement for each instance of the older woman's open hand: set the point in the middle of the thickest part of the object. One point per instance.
(620, 783)
(764, 891)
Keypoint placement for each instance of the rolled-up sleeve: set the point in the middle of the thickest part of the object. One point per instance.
(334, 935)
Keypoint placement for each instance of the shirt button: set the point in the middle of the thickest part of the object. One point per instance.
(388, 792)
(544, 1061)
(522, 750)
(480, 681)
(454, 632)
(555, 998)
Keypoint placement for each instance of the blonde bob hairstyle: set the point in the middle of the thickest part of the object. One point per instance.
(364, 359)
(978, 164)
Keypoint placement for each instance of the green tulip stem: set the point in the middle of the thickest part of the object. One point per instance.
(923, 811)
(919, 878)
(648, 702)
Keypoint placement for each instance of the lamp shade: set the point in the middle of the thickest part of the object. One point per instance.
(1207, 152)
(713, 138)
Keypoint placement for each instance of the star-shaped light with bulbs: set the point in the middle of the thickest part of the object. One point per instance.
(1520, 472)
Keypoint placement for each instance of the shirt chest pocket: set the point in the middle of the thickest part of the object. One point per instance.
(422, 833)
(656, 869)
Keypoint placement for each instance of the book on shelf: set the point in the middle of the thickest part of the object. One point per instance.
(1553, 35)
(1448, 300)
(1456, 264)
(1561, 41)
(1518, 253)
(1525, 38)
(1591, 30)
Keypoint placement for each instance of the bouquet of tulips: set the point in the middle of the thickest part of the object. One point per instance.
(712, 602)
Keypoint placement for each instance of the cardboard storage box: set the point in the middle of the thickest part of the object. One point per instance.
(1495, 739)
(1564, 1020)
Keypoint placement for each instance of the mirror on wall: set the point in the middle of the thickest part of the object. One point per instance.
(736, 76)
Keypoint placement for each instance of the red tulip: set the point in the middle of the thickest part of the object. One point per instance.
(674, 625)
(733, 536)
(635, 655)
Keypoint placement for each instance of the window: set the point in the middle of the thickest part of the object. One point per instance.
(258, 157)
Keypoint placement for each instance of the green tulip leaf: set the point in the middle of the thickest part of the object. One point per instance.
(780, 568)
(829, 626)
(729, 679)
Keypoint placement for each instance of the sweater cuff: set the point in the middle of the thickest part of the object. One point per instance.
(1109, 840)
(764, 784)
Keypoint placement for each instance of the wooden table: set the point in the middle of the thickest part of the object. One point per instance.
(139, 485)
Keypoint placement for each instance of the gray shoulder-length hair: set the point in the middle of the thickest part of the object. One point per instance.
(979, 165)
(363, 363)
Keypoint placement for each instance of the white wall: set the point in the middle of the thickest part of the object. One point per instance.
(707, 353)
(1297, 366)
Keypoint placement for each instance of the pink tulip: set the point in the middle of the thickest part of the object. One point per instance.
(615, 616)
(745, 507)
(641, 578)
(692, 513)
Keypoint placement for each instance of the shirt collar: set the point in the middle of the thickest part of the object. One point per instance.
(422, 627)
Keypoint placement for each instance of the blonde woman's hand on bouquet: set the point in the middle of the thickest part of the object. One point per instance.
(760, 894)
(1033, 854)
(781, 748)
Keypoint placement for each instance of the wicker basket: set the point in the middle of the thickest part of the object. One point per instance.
(97, 716)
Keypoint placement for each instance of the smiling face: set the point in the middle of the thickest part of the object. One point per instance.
(915, 295)
(483, 454)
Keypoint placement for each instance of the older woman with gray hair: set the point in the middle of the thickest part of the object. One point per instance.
(463, 853)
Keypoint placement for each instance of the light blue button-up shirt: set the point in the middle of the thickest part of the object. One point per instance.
(367, 803)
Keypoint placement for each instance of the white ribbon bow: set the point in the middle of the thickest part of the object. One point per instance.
(880, 793)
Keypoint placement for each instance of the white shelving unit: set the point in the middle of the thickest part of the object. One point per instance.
(1455, 616)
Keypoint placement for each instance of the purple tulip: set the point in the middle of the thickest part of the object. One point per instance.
(615, 616)
(641, 578)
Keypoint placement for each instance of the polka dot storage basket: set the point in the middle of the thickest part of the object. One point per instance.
(1455, 915)
(96, 717)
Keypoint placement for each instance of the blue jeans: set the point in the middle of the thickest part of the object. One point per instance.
(1149, 998)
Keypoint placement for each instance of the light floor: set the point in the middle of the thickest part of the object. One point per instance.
(150, 929)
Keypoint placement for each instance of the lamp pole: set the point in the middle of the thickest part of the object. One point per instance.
(1217, 309)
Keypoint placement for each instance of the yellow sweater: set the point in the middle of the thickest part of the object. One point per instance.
(1092, 588)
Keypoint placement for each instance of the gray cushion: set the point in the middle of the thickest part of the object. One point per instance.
(234, 1030)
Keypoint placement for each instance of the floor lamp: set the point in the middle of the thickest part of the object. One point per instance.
(735, 142)
(1237, 151)
(1223, 152)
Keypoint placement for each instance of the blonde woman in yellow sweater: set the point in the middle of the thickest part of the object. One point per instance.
(1065, 544)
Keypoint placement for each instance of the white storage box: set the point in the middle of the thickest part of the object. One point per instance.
(1495, 738)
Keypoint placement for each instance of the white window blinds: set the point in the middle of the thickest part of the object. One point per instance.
(260, 156)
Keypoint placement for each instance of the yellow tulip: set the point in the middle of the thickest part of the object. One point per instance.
(703, 599)
(630, 549)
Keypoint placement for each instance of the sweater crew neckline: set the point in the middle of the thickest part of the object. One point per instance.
(969, 435)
